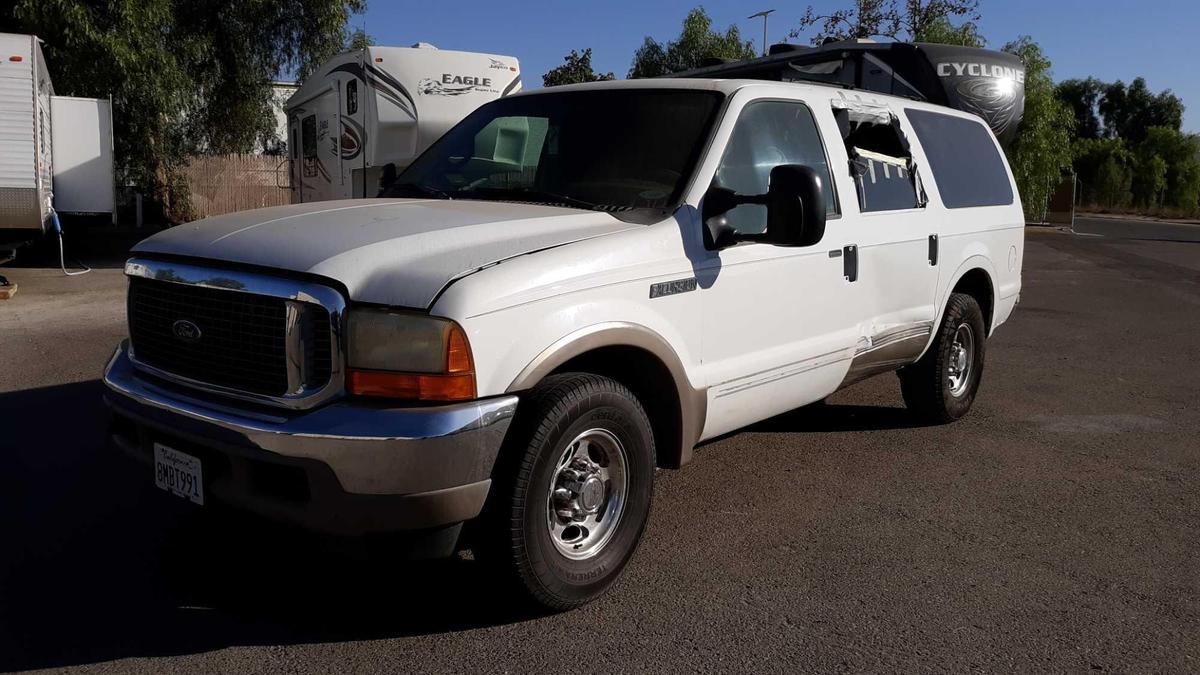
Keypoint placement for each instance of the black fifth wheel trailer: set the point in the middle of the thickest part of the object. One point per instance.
(987, 83)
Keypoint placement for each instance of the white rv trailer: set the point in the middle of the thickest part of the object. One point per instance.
(56, 152)
(365, 109)
(26, 146)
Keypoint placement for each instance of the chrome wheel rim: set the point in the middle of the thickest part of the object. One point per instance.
(587, 494)
(962, 360)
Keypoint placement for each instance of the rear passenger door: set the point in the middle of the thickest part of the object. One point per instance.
(982, 224)
(893, 238)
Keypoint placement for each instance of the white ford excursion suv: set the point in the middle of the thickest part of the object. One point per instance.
(570, 289)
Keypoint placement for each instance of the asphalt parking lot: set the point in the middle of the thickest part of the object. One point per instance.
(1057, 527)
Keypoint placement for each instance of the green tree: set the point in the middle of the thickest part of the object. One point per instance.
(1186, 194)
(696, 42)
(576, 69)
(1149, 181)
(943, 32)
(1113, 183)
(865, 19)
(1130, 111)
(1103, 167)
(925, 20)
(1041, 151)
(186, 76)
(910, 20)
(359, 39)
(1129, 151)
(1083, 96)
(1181, 154)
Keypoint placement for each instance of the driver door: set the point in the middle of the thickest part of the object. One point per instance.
(778, 325)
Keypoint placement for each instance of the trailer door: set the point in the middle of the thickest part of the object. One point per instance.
(310, 162)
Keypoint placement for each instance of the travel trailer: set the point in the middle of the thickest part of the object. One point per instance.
(363, 110)
(26, 146)
(983, 82)
(56, 152)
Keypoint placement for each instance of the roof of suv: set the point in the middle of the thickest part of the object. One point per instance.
(723, 86)
(732, 85)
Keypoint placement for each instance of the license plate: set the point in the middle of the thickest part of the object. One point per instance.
(178, 473)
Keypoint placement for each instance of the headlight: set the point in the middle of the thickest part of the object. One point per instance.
(408, 355)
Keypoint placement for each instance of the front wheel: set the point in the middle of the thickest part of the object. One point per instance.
(941, 386)
(569, 505)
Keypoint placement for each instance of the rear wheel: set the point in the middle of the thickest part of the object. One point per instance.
(941, 387)
(572, 494)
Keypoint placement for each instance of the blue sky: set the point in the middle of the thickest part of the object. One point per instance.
(1108, 39)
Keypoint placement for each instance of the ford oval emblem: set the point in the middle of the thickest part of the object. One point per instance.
(186, 330)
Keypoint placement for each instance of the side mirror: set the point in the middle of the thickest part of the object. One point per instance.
(795, 206)
(795, 202)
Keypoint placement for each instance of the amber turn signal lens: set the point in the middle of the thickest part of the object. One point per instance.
(458, 352)
(412, 386)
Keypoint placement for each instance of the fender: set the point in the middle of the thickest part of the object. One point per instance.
(975, 261)
(692, 401)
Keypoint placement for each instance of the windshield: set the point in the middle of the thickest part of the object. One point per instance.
(613, 150)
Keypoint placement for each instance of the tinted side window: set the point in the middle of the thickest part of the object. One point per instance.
(768, 134)
(965, 161)
(351, 97)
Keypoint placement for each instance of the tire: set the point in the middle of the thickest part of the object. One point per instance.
(543, 485)
(934, 388)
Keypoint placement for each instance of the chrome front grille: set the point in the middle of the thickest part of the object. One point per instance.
(250, 336)
(241, 336)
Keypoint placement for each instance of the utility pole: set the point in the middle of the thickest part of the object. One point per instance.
(763, 14)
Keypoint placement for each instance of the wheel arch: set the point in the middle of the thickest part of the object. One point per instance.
(642, 360)
(975, 277)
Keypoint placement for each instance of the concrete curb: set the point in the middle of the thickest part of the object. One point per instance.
(1148, 219)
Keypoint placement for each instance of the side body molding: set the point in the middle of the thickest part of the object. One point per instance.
(693, 403)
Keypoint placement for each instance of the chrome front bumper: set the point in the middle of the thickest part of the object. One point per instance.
(354, 466)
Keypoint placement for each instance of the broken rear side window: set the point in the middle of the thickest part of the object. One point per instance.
(881, 163)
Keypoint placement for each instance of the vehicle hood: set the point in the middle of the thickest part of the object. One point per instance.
(399, 252)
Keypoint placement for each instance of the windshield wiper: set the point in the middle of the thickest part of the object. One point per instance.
(523, 194)
(419, 188)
